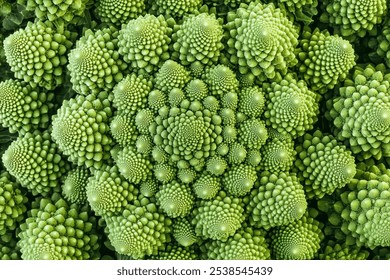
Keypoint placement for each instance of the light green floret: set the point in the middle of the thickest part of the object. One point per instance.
(251, 101)
(220, 80)
(108, 192)
(299, 240)
(81, 129)
(223, 149)
(56, 10)
(175, 97)
(239, 180)
(216, 165)
(149, 187)
(246, 244)
(188, 135)
(57, 230)
(156, 100)
(206, 186)
(229, 100)
(171, 75)
(177, 252)
(252, 133)
(140, 230)
(175, 8)
(143, 43)
(186, 175)
(196, 90)
(183, 232)
(253, 158)
(324, 59)
(229, 134)
(341, 251)
(237, 153)
(37, 54)
(363, 211)
(219, 217)
(277, 199)
(175, 199)
(159, 155)
(228, 116)
(131, 94)
(260, 40)
(95, 64)
(164, 172)
(13, 203)
(134, 166)
(123, 130)
(211, 103)
(291, 108)
(143, 120)
(353, 17)
(119, 11)
(75, 183)
(198, 38)
(144, 144)
(24, 108)
(277, 155)
(361, 112)
(196, 69)
(35, 161)
(322, 164)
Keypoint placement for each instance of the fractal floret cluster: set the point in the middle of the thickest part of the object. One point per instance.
(194, 130)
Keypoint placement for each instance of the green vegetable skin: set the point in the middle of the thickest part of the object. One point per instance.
(194, 129)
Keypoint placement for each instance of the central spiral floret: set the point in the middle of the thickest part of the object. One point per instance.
(188, 136)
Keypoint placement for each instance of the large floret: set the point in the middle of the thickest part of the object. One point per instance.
(353, 18)
(261, 40)
(361, 112)
(198, 38)
(299, 240)
(324, 59)
(24, 108)
(323, 164)
(95, 64)
(119, 11)
(219, 217)
(291, 108)
(362, 210)
(277, 199)
(37, 54)
(57, 230)
(143, 43)
(35, 161)
(108, 192)
(81, 129)
(13, 203)
(140, 230)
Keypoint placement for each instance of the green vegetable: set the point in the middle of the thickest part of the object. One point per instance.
(57, 230)
(260, 40)
(139, 230)
(322, 164)
(277, 199)
(37, 54)
(299, 240)
(194, 129)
